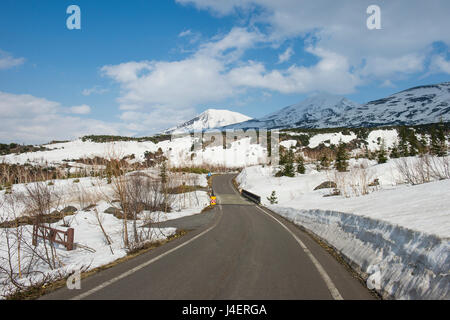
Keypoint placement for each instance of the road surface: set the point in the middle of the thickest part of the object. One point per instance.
(236, 251)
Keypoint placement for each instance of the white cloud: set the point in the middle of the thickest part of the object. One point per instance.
(388, 84)
(94, 90)
(30, 119)
(440, 65)
(330, 74)
(381, 67)
(25, 105)
(409, 27)
(7, 61)
(83, 109)
(286, 55)
(185, 33)
(165, 92)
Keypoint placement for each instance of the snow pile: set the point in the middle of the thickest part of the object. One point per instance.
(404, 264)
(376, 137)
(398, 230)
(288, 143)
(330, 138)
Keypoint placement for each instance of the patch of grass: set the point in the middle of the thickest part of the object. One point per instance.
(197, 170)
(185, 189)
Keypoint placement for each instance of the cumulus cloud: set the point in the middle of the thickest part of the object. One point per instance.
(7, 61)
(381, 67)
(408, 27)
(439, 65)
(330, 74)
(30, 119)
(157, 91)
(83, 109)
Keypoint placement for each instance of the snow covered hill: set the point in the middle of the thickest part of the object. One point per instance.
(209, 119)
(419, 105)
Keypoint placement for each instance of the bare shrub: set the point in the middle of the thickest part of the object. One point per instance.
(20, 261)
(355, 182)
(423, 169)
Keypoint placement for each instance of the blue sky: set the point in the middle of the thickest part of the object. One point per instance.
(137, 67)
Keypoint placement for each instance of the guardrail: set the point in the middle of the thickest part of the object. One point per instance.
(251, 196)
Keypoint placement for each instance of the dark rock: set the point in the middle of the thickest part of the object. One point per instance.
(69, 209)
(112, 210)
(326, 185)
(118, 213)
(89, 207)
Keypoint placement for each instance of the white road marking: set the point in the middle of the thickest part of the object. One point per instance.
(331, 287)
(143, 265)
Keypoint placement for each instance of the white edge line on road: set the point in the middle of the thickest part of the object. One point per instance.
(141, 266)
(331, 287)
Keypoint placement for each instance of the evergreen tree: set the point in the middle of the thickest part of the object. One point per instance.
(414, 145)
(273, 198)
(394, 152)
(324, 162)
(423, 144)
(341, 163)
(288, 165)
(438, 140)
(403, 143)
(301, 165)
(382, 157)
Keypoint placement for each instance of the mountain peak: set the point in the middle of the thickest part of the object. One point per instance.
(209, 119)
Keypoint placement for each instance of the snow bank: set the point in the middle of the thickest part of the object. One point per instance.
(408, 264)
(400, 231)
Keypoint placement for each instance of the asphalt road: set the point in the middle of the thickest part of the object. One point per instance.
(236, 251)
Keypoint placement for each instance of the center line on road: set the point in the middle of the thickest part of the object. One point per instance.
(143, 265)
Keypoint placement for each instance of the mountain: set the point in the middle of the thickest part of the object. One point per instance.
(324, 110)
(419, 105)
(209, 119)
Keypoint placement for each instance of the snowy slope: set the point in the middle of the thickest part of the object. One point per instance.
(209, 119)
(419, 105)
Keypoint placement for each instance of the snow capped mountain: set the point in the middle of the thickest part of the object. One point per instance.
(419, 105)
(209, 119)
(321, 110)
